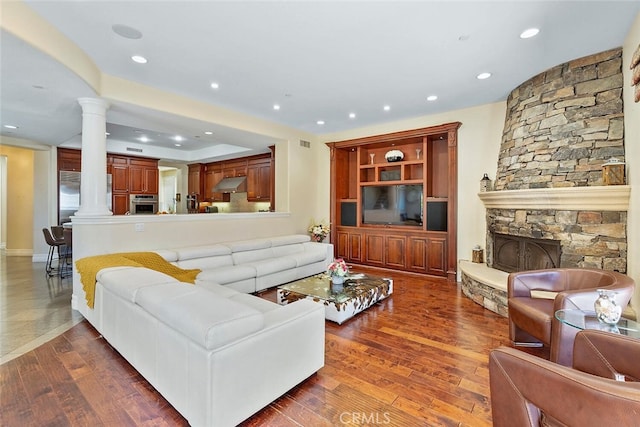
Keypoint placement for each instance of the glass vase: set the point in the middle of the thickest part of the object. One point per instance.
(337, 280)
(607, 310)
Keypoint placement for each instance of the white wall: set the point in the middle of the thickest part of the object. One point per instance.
(45, 212)
(3, 202)
(632, 152)
(478, 145)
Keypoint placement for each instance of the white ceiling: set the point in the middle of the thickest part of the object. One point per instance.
(319, 60)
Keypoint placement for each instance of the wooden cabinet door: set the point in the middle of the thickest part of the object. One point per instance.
(217, 176)
(69, 160)
(342, 245)
(355, 247)
(151, 177)
(143, 176)
(264, 185)
(195, 181)
(119, 178)
(437, 256)
(259, 182)
(394, 251)
(120, 203)
(349, 246)
(374, 249)
(209, 184)
(253, 183)
(136, 179)
(417, 254)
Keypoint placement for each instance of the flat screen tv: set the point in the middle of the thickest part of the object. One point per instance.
(392, 205)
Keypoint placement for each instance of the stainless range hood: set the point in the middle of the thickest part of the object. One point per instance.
(232, 185)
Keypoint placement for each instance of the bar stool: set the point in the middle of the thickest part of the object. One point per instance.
(54, 245)
(57, 232)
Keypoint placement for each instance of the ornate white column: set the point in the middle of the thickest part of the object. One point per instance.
(93, 179)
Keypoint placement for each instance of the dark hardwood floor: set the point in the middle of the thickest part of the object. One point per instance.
(418, 358)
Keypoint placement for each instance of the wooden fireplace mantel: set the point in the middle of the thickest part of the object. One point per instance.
(597, 198)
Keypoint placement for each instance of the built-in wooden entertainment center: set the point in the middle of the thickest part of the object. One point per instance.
(397, 214)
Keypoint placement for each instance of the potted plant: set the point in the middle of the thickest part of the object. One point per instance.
(319, 231)
(338, 270)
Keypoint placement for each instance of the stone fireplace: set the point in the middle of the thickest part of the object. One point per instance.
(561, 126)
(588, 224)
(515, 253)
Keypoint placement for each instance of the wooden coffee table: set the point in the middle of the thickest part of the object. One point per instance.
(341, 303)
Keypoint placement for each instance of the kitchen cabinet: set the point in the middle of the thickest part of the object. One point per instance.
(119, 174)
(143, 176)
(212, 176)
(258, 170)
(119, 167)
(259, 180)
(69, 160)
(403, 208)
(235, 168)
(196, 180)
(128, 175)
(120, 203)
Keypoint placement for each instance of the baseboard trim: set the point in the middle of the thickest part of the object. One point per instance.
(19, 252)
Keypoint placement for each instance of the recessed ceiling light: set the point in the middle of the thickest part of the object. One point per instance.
(483, 76)
(11, 127)
(178, 145)
(139, 59)
(143, 139)
(352, 115)
(386, 108)
(215, 85)
(531, 32)
(178, 138)
(432, 97)
(276, 107)
(126, 31)
(208, 132)
(320, 122)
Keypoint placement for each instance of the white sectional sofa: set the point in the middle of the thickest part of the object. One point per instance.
(254, 265)
(216, 353)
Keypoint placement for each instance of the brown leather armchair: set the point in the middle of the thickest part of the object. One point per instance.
(529, 391)
(532, 320)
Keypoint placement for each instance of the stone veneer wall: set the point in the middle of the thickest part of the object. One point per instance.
(563, 124)
(560, 127)
(588, 239)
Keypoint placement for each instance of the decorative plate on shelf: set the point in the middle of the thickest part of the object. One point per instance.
(394, 156)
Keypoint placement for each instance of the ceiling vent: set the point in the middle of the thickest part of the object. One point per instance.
(135, 150)
(305, 144)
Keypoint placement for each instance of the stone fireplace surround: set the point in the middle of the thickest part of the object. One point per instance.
(590, 222)
(561, 126)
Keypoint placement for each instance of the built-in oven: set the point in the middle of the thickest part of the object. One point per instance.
(140, 204)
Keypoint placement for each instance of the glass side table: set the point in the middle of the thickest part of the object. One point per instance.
(585, 319)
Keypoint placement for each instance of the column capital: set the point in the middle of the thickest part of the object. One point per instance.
(93, 105)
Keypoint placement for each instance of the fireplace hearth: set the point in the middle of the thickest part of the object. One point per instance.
(516, 253)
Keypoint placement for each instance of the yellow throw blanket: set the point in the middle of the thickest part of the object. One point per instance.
(90, 266)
